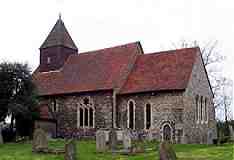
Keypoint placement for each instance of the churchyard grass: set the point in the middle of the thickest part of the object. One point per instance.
(86, 151)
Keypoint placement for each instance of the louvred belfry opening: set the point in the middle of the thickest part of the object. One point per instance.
(57, 47)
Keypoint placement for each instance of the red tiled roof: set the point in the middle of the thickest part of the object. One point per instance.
(169, 70)
(91, 71)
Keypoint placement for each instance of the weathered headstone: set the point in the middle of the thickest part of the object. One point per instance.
(126, 139)
(40, 141)
(100, 141)
(166, 152)
(1, 139)
(231, 132)
(210, 137)
(70, 150)
(113, 139)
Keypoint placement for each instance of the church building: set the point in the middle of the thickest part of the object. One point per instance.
(163, 95)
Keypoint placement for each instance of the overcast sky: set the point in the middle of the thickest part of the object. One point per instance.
(105, 23)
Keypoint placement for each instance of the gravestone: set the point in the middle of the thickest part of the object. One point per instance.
(231, 132)
(126, 139)
(40, 141)
(210, 137)
(113, 139)
(100, 141)
(1, 139)
(166, 152)
(70, 150)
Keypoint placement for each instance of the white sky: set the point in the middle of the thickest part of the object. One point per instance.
(105, 23)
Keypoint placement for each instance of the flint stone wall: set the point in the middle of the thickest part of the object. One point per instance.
(66, 114)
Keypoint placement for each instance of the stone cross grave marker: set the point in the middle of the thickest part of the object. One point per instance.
(113, 139)
(40, 141)
(100, 141)
(70, 150)
(126, 139)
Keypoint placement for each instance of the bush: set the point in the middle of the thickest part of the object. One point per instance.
(223, 140)
(215, 141)
(8, 135)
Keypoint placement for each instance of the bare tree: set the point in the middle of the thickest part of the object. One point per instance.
(224, 98)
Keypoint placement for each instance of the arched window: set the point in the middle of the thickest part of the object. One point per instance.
(205, 109)
(91, 117)
(131, 114)
(86, 121)
(54, 106)
(81, 117)
(147, 116)
(201, 110)
(86, 113)
(197, 109)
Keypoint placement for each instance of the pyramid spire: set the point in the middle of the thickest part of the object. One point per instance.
(59, 36)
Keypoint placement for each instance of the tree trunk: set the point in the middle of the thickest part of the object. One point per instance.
(12, 122)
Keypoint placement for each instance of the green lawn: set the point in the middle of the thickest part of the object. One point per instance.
(86, 151)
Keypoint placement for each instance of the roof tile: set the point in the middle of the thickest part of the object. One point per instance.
(168, 70)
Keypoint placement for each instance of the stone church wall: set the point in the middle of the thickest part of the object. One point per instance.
(164, 108)
(66, 113)
(175, 108)
(199, 131)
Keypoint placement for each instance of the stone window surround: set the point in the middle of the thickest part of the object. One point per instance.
(151, 117)
(206, 112)
(134, 113)
(83, 106)
(54, 105)
(202, 101)
(48, 60)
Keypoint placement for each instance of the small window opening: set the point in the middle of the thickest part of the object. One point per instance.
(81, 117)
(148, 116)
(131, 115)
(90, 117)
(48, 60)
(86, 117)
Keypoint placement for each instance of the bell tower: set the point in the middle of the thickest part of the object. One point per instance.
(57, 47)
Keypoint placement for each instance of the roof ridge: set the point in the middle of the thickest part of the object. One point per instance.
(169, 51)
(107, 48)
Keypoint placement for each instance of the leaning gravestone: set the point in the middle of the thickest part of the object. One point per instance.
(113, 139)
(70, 150)
(100, 141)
(166, 152)
(40, 141)
(1, 139)
(126, 139)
